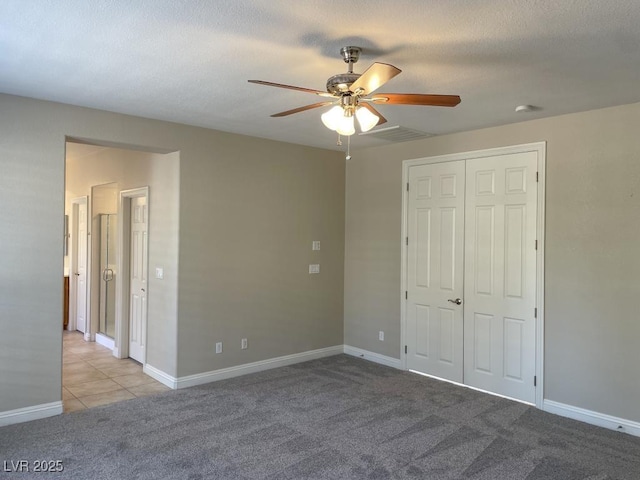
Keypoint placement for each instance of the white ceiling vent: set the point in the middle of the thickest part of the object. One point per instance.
(397, 133)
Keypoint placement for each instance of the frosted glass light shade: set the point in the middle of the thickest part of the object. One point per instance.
(331, 118)
(366, 119)
(346, 126)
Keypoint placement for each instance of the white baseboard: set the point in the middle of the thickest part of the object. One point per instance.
(160, 376)
(224, 373)
(30, 413)
(105, 341)
(594, 418)
(374, 357)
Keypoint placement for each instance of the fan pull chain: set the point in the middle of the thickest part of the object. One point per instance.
(339, 143)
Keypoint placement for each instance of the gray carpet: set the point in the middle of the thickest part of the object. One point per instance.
(335, 418)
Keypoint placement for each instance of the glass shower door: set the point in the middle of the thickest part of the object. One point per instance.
(107, 325)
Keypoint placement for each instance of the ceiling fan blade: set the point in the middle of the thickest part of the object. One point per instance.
(301, 109)
(290, 87)
(416, 99)
(369, 107)
(373, 78)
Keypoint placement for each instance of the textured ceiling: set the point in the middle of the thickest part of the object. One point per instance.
(189, 61)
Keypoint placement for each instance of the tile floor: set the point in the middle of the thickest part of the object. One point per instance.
(92, 376)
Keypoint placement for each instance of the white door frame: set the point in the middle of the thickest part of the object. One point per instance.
(540, 149)
(121, 347)
(73, 256)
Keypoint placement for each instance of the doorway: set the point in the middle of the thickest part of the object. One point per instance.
(131, 294)
(102, 172)
(79, 265)
(472, 269)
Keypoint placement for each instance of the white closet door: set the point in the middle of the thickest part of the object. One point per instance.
(500, 274)
(435, 269)
(138, 279)
(81, 267)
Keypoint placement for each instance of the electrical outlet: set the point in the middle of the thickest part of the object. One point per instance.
(219, 347)
(315, 245)
(381, 336)
(314, 268)
(243, 344)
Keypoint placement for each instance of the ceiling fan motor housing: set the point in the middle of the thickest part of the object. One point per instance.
(340, 83)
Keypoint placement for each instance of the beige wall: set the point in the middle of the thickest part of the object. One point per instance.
(592, 263)
(245, 250)
(88, 166)
(249, 209)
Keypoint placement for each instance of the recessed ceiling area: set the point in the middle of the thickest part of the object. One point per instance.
(189, 62)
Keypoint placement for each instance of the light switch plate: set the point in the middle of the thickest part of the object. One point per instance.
(159, 273)
(315, 245)
(314, 268)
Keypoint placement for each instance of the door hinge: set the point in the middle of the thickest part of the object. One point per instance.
(406, 295)
(535, 312)
(535, 381)
(407, 240)
(536, 244)
(407, 186)
(405, 349)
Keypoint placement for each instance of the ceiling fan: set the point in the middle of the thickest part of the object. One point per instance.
(351, 95)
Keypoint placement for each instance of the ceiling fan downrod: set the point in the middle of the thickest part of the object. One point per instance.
(350, 56)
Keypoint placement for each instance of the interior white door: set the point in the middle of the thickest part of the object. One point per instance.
(138, 279)
(435, 269)
(81, 266)
(500, 274)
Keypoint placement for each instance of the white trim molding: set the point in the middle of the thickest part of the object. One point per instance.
(593, 418)
(105, 341)
(160, 376)
(374, 357)
(224, 373)
(27, 414)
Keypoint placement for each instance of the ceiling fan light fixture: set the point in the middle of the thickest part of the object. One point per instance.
(331, 118)
(338, 120)
(366, 119)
